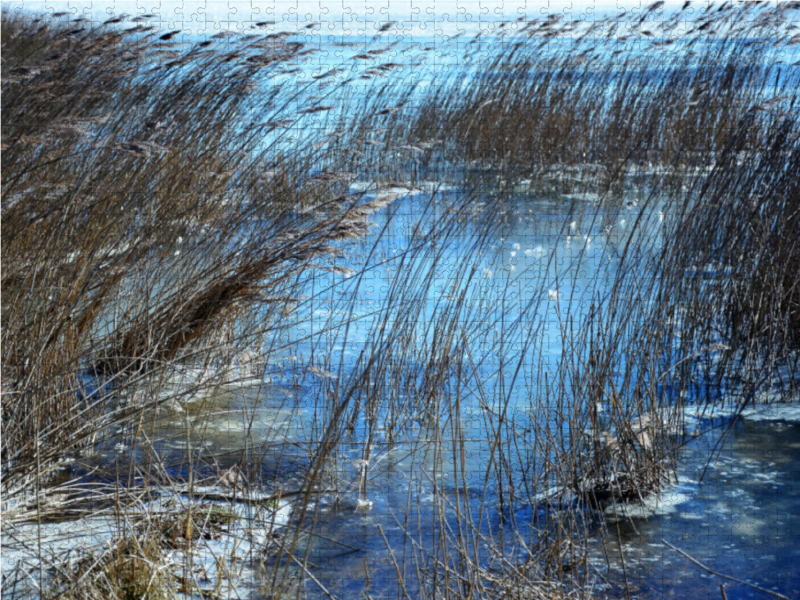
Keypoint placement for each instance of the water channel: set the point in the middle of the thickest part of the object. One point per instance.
(736, 515)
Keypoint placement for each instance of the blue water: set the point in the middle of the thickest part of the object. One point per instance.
(528, 265)
(737, 518)
(416, 477)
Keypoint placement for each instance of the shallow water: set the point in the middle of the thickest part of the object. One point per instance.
(742, 519)
(729, 521)
(553, 255)
(546, 262)
(739, 517)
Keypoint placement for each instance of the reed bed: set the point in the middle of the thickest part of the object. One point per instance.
(692, 117)
(611, 96)
(691, 121)
(155, 240)
(164, 250)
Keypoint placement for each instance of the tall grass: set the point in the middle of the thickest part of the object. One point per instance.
(154, 235)
(140, 216)
(689, 118)
(691, 121)
(169, 221)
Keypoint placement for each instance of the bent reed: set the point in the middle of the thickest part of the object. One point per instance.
(174, 212)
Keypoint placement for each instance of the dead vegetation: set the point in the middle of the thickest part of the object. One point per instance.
(160, 244)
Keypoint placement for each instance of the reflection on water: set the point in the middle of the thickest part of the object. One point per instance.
(739, 517)
(554, 254)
